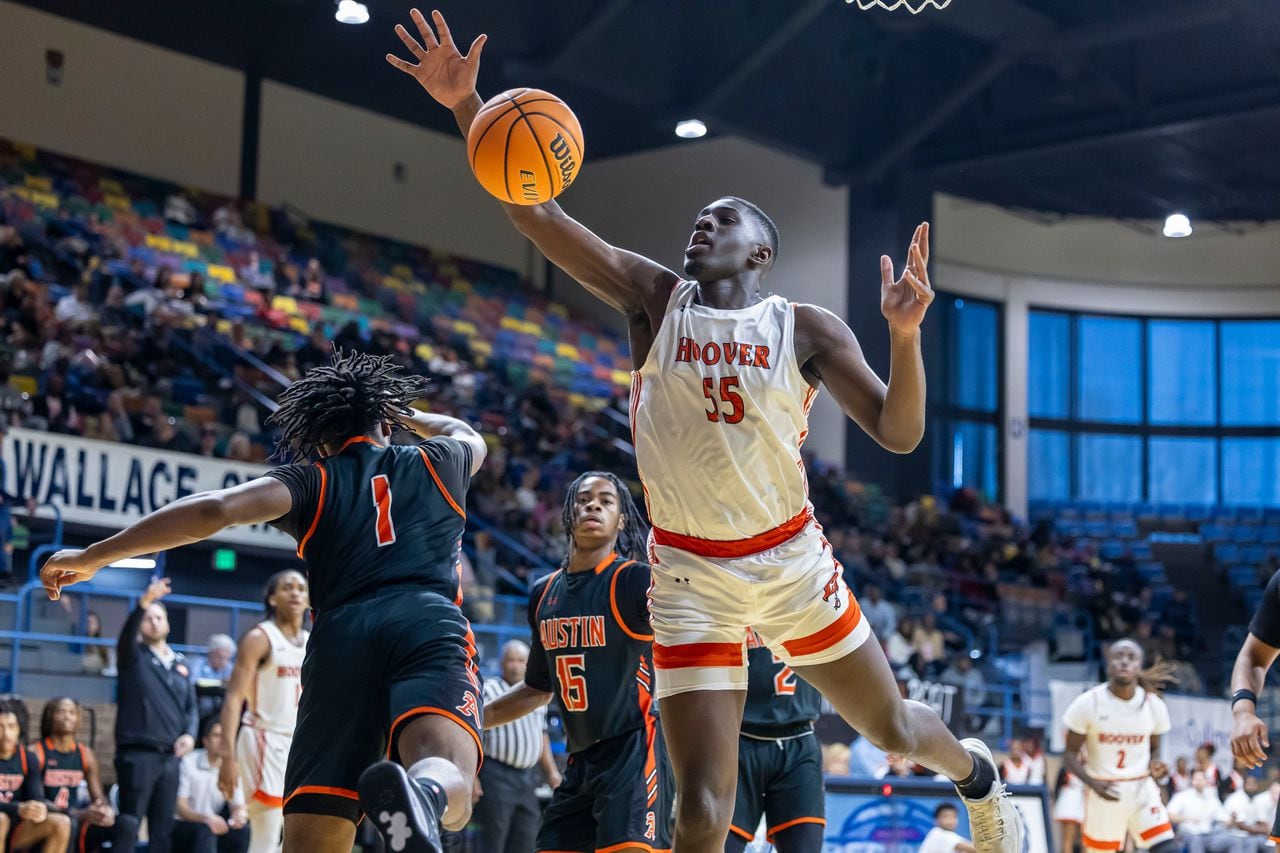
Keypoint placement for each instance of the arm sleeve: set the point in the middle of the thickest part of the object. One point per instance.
(452, 462)
(632, 598)
(32, 784)
(127, 647)
(304, 482)
(1266, 622)
(536, 674)
(1076, 717)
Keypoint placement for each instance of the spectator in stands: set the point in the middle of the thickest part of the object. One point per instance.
(1199, 818)
(929, 643)
(28, 823)
(1240, 815)
(1020, 768)
(899, 647)
(165, 435)
(1180, 776)
(178, 208)
(70, 771)
(239, 449)
(835, 759)
(100, 659)
(879, 613)
(208, 823)
(316, 350)
(972, 684)
(943, 838)
(75, 309)
(211, 673)
(156, 721)
(208, 440)
(1204, 763)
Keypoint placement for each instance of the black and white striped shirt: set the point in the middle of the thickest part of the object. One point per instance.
(518, 743)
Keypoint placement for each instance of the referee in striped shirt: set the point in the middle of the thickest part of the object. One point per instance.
(508, 814)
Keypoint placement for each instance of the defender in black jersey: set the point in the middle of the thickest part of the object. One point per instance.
(779, 759)
(29, 823)
(1249, 736)
(389, 669)
(592, 649)
(65, 765)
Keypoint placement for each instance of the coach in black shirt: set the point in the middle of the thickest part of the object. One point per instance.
(157, 717)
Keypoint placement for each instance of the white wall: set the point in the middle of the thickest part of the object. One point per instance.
(121, 102)
(336, 163)
(647, 203)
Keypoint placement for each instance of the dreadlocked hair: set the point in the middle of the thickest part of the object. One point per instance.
(633, 536)
(46, 715)
(346, 398)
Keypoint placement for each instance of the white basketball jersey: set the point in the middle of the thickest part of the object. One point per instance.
(1117, 732)
(719, 411)
(273, 704)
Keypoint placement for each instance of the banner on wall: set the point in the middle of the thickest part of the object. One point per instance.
(108, 485)
(1195, 719)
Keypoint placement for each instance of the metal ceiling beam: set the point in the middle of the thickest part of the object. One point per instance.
(1129, 28)
(755, 60)
(1169, 120)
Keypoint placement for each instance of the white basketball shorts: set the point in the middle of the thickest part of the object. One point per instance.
(706, 594)
(262, 756)
(1138, 812)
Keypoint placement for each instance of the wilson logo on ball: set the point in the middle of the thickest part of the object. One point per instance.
(560, 150)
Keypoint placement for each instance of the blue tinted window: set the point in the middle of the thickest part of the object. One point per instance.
(975, 340)
(1048, 465)
(1049, 365)
(1182, 470)
(1251, 471)
(1109, 468)
(973, 457)
(1109, 358)
(1184, 388)
(1250, 373)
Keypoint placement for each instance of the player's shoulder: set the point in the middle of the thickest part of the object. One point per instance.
(1157, 702)
(539, 587)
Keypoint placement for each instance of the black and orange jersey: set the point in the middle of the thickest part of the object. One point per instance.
(62, 773)
(374, 516)
(19, 780)
(593, 648)
(779, 702)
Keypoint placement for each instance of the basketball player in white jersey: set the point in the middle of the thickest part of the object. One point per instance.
(266, 684)
(1119, 724)
(724, 379)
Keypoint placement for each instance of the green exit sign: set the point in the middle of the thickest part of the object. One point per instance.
(224, 560)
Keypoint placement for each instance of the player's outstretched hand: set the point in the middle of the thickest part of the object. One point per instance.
(64, 568)
(446, 74)
(904, 302)
(1249, 739)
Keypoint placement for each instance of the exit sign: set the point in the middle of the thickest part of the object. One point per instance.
(224, 560)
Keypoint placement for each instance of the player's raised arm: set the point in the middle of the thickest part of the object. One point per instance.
(892, 414)
(428, 425)
(183, 522)
(629, 282)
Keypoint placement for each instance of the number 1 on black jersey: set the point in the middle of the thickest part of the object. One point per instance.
(382, 505)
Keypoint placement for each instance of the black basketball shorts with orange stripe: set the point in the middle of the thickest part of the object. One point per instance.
(614, 796)
(373, 665)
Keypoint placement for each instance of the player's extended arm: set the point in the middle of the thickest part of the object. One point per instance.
(252, 651)
(187, 520)
(428, 425)
(1071, 758)
(514, 704)
(632, 284)
(892, 414)
(1249, 739)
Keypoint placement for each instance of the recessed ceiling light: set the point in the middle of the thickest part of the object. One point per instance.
(351, 12)
(1177, 225)
(691, 128)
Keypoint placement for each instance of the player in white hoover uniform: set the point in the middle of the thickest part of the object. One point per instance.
(724, 379)
(266, 683)
(1119, 724)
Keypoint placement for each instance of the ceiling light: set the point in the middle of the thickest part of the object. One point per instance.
(135, 563)
(1177, 225)
(691, 128)
(351, 12)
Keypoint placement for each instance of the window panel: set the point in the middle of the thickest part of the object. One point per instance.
(1183, 387)
(1251, 471)
(974, 359)
(1049, 367)
(1182, 470)
(1250, 373)
(1109, 359)
(1048, 465)
(1109, 467)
